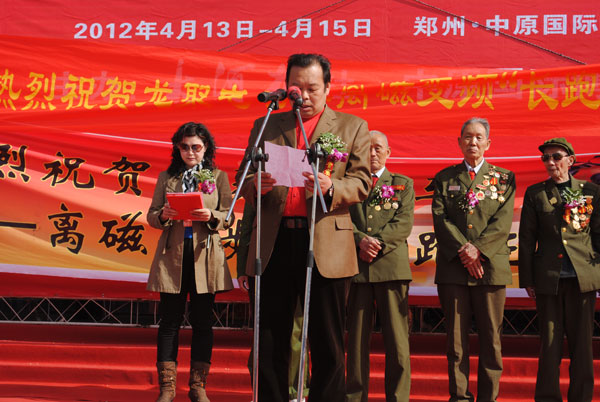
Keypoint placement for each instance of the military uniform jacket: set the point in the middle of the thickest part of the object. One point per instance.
(211, 270)
(544, 236)
(486, 225)
(334, 249)
(389, 222)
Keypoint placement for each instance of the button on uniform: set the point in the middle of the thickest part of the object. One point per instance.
(471, 212)
(564, 229)
(564, 242)
(470, 226)
(370, 216)
(369, 229)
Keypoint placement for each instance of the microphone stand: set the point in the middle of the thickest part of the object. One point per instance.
(257, 158)
(314, 153)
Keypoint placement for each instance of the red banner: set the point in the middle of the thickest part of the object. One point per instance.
(532, 34)
(85, 129)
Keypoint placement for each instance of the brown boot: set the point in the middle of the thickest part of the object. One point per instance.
(167, 377)
(198, 373)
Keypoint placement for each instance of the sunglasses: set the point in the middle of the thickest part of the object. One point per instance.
(556, 156)
(186, 148)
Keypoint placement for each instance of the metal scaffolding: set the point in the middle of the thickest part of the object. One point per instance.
(231, 315)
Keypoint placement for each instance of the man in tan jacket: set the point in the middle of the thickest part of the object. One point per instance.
(472, 214)
(382, 223)
(285, 239)
(559, 265)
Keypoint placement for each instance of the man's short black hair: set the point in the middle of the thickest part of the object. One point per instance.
(307, 59)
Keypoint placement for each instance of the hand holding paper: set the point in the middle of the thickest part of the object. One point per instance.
(266, 182)
(183, 204)
(201, 214)
(324, 182)
(167, 212)
(286, 165)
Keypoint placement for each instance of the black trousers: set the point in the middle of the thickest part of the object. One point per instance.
(172, 308)
(282, 283)
(569, 313)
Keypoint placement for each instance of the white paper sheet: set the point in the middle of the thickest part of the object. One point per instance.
(286, 165)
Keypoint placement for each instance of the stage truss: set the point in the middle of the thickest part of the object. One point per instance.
(230, 315)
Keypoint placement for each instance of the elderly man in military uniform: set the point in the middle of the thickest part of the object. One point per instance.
(472, 211)
(559, 265)
(382, 223)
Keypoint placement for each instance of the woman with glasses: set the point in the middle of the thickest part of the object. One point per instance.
(189, 258)
(559, 266)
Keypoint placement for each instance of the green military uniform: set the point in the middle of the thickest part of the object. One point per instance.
(486, 225)
(565, 305)
(385, 282)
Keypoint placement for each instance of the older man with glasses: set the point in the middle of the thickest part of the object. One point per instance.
(559, 266)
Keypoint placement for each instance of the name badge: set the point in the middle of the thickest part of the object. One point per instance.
(454, 188)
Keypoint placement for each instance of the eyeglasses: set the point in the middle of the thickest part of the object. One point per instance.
(186, 148)
(556, 156)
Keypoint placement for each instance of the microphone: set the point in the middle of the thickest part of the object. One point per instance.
(277, 95)
(295, 96)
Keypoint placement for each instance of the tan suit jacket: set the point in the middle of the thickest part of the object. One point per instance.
(390, 226)
(334, 249)
(212, 272)
(544, 236)
(486, 226)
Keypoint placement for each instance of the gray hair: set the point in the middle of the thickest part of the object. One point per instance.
(375, 132)
(481, 120)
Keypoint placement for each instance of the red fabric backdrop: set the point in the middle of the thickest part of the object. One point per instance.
(85, 122)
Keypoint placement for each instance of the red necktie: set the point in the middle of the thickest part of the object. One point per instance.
(375, 178)
(472, 174)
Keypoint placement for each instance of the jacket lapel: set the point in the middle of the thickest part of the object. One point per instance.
(326, 122)
(174, 185)
(465, 178)
(367, 202)
(462, 174)
(576, 185)
(287, 124)
(385, 179)
(485, 168)
(553, 194)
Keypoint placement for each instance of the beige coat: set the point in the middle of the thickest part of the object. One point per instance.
(334, 248)
(212, 272)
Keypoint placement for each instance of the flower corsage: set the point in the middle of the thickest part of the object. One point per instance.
(578, 209)
(385, 196)
(470, 201)
(493, 186)
(207, 180)
(335, 149)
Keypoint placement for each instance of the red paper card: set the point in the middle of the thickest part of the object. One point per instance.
(184, 203)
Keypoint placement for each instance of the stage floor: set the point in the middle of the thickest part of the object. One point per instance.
(63, 363)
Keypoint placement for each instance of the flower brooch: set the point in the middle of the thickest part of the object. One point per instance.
(385, 197)
(207, 180)
(577, 209)
(335, 149)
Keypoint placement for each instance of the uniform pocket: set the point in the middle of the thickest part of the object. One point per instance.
(343, 223)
